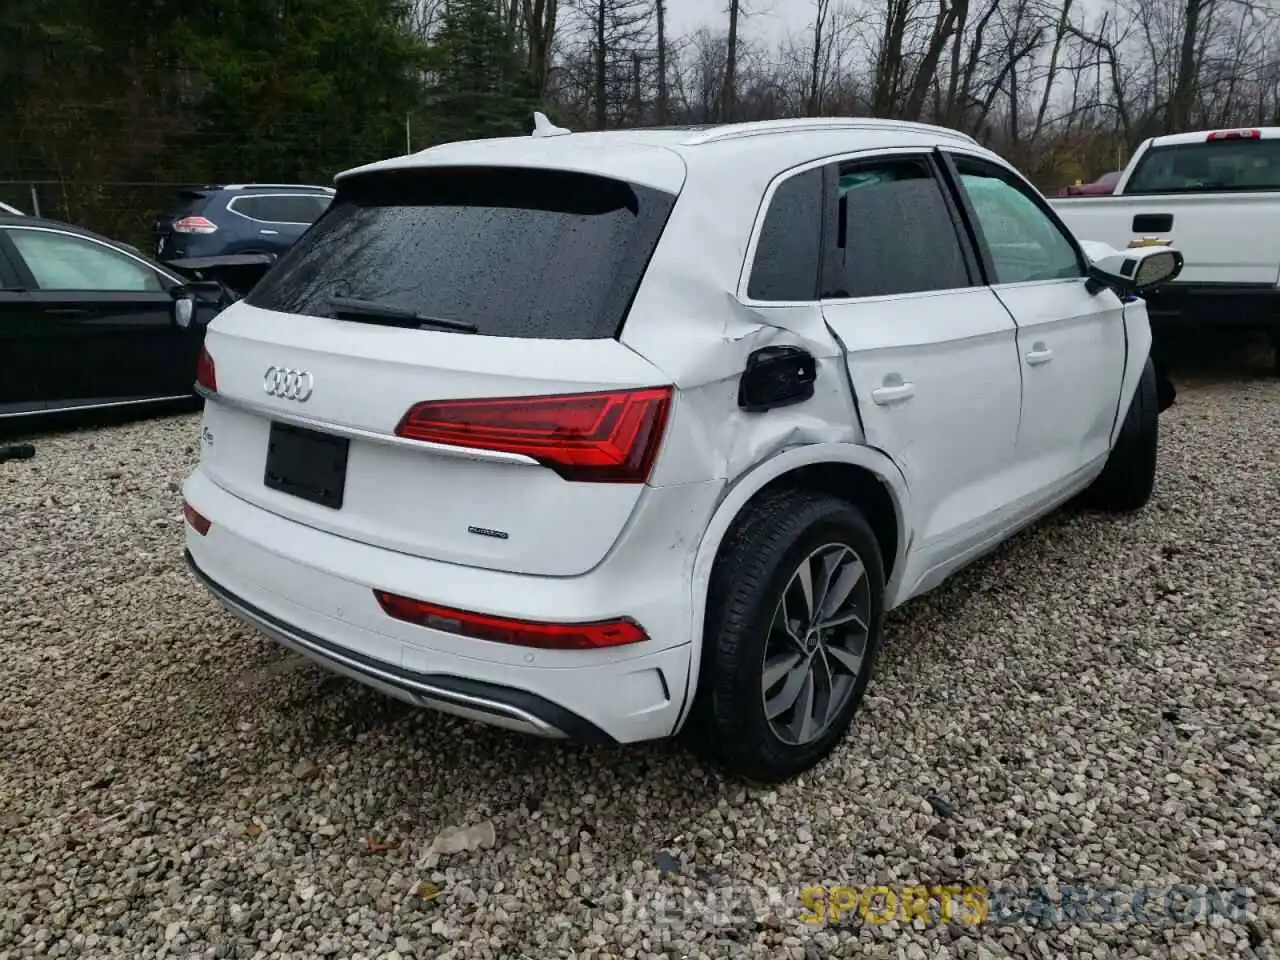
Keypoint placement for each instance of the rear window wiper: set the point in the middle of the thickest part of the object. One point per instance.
(370, 311)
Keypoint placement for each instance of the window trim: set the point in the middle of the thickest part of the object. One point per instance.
(974, 226)
(13, 275)
(28, 280)
(832, 162)
(231, 206)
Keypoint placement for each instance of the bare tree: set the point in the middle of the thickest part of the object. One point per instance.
(664, 104)
(1062, 88)
(729, 90)
(539, 20)
(617, 29)
(821, 44)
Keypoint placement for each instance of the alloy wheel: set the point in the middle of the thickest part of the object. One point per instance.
(817, 644)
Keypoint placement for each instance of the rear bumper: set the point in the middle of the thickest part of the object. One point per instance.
(487, 702)
(313, 592)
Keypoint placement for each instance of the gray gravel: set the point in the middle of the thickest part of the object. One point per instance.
(1094, 705)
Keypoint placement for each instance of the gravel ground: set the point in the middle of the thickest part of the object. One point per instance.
(1093, 706)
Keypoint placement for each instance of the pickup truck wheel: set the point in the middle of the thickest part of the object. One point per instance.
(793, 625)
(1129, 477)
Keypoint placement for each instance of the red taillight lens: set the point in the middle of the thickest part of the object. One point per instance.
(520, 633)
(608, 437)
(193, 225)
(1234, 135)
(206, 371)
(198, 522)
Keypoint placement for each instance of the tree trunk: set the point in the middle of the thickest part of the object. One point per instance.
(540, 31)
(601, 63)
(1185, 85)
(1064, 18)
(886, 82)
(663, 97)
(814, 106)
(728, 96)
(927, 73)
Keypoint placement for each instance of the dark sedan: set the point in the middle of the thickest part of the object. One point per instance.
(89, 323)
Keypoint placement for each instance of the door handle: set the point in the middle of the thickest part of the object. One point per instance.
(270, 233)
(66, 311)
(892, 393)
(1039, 354)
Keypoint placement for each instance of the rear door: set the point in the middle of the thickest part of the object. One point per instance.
(496, 467)
(931, 351)
(105, 324)
(1071, 342)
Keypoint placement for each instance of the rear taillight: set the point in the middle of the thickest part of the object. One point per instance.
(193, 225)
(206, 371)
(520, 633)
(199, 523)
(608, 437)
(1234, 135)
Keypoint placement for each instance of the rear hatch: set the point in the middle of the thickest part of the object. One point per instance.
(433, 335)
(185, 210)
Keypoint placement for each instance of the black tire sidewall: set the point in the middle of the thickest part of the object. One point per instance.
(737, 706)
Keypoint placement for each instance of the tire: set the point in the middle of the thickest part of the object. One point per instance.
(759, 563)
(1129, 477)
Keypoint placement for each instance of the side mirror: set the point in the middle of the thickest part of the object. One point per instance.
(184, 310)
(1131, 272)
(189, 298)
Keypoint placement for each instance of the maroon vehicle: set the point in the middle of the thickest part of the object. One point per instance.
(1104, 185)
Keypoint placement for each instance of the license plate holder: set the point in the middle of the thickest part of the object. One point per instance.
(307, 464)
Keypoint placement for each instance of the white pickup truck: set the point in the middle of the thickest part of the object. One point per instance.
(1215, 196)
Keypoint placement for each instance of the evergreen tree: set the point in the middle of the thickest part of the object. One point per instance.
(480, 83)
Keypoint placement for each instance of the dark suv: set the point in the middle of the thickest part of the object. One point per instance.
(233, 218)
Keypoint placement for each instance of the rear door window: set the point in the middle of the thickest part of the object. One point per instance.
(897, 235)
(514, 252)
(1212, 166)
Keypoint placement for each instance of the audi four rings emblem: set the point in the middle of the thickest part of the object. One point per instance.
(288, 384)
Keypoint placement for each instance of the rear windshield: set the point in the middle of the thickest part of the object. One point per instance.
(1215, 165)
(514, 252)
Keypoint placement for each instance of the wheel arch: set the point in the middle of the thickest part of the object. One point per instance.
(850, 471)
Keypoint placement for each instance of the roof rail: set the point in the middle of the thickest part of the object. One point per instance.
(733, 131)
(269, 186)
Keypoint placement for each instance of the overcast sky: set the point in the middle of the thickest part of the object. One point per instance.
(771, 19)
(768, 18)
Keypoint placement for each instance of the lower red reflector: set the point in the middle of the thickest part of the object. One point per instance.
(198, 522)
(520, 633)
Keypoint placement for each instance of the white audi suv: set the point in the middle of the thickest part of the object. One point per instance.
(609, 436)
